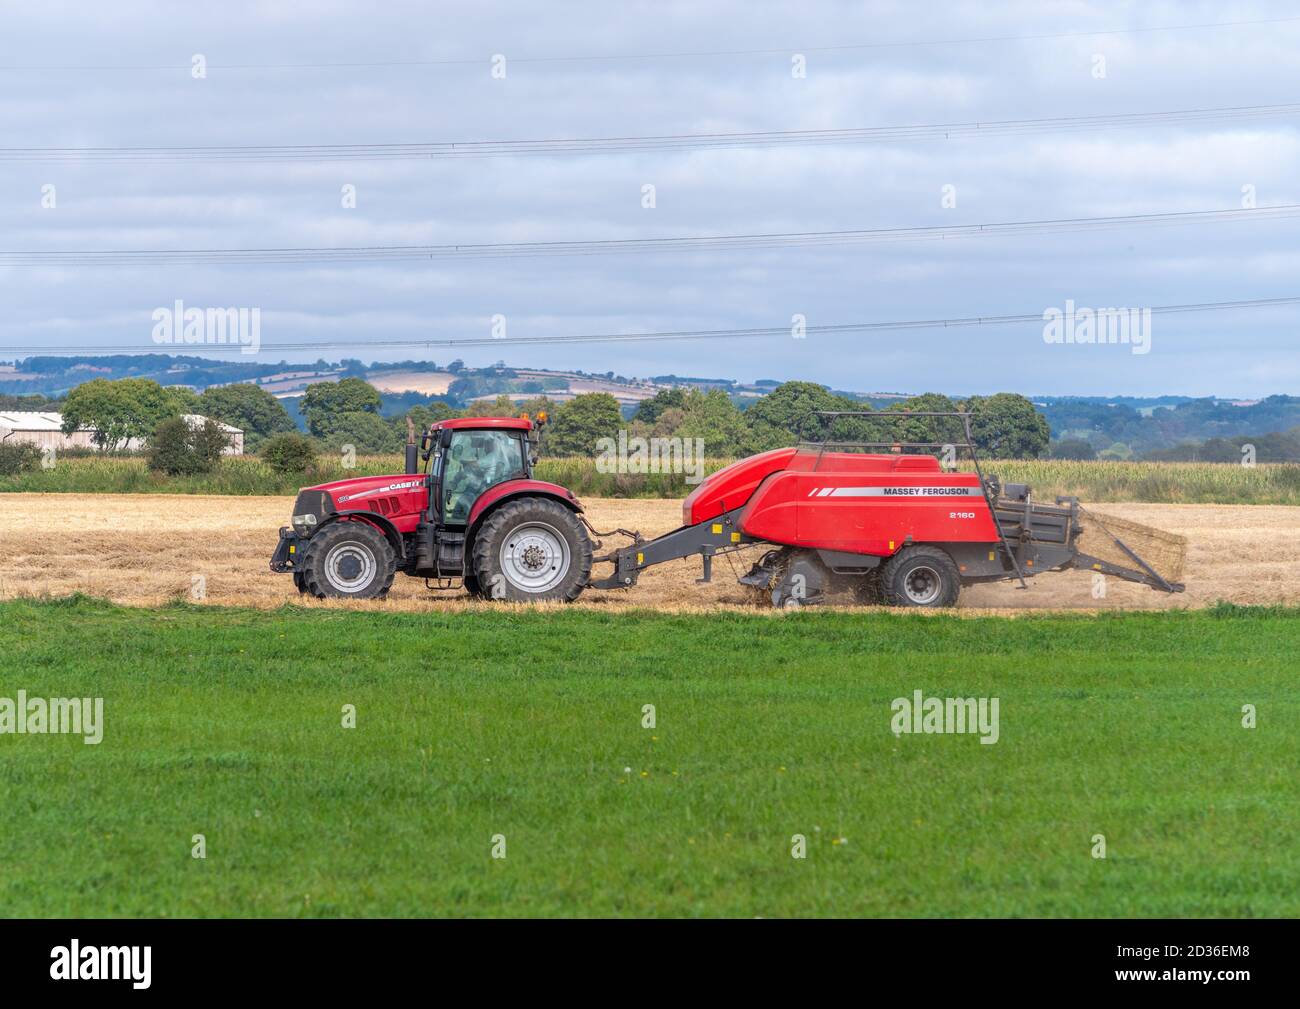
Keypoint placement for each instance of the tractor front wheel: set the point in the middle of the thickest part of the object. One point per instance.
(349, 560)
(920, 576)
(532, 549)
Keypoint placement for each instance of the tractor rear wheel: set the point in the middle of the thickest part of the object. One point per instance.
(532, 549)
(349, 560)
(920, 576)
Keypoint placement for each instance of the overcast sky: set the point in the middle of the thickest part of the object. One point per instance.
(1167, 168)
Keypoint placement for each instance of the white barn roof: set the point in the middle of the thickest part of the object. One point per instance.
(194, 419)
(23, 420)
(26, 420)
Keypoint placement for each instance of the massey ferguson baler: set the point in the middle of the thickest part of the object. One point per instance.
(891, 527)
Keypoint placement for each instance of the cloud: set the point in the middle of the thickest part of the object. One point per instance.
(201, 205)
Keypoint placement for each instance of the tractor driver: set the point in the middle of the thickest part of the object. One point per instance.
(489, 451)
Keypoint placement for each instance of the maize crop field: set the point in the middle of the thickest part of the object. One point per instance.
(1093, 481)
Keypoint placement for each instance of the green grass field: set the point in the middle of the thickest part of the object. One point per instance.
(528, 724)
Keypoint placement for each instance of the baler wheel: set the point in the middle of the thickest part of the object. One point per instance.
(920, 576)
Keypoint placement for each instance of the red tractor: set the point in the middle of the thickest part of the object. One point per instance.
(891, 526)
(472, 515)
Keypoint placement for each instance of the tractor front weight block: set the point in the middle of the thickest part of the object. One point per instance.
(286, 551)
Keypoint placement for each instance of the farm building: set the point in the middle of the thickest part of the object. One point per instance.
(236, 435)
(43, 429)
(46, 430)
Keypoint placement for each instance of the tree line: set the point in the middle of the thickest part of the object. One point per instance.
(349, 413)
(1005, 425)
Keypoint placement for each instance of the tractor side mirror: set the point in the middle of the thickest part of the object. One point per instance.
(534, 437)
(428, 446)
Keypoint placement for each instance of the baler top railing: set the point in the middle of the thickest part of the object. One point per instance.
(967, 441)
(884, 444)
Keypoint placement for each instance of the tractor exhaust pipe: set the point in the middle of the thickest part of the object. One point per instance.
(412, 450)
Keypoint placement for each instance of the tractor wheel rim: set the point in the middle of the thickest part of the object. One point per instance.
(350, 567)
(535, 557)
(922, 585)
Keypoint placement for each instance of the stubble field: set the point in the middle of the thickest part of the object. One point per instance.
(148, 549)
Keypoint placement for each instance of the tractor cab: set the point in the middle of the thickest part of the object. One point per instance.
(467, 456)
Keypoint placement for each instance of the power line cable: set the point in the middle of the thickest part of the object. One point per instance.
(470, 149)
(702, 334)
(605, 247)
(688, 54)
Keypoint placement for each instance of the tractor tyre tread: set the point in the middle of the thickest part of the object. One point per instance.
(487, 548)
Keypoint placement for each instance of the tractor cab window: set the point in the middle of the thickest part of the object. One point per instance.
(473, 462)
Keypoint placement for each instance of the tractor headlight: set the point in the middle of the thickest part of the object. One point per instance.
(310, 509)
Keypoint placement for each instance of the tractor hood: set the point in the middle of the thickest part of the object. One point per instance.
(390, 496)
(354, 493)
(732, 485)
